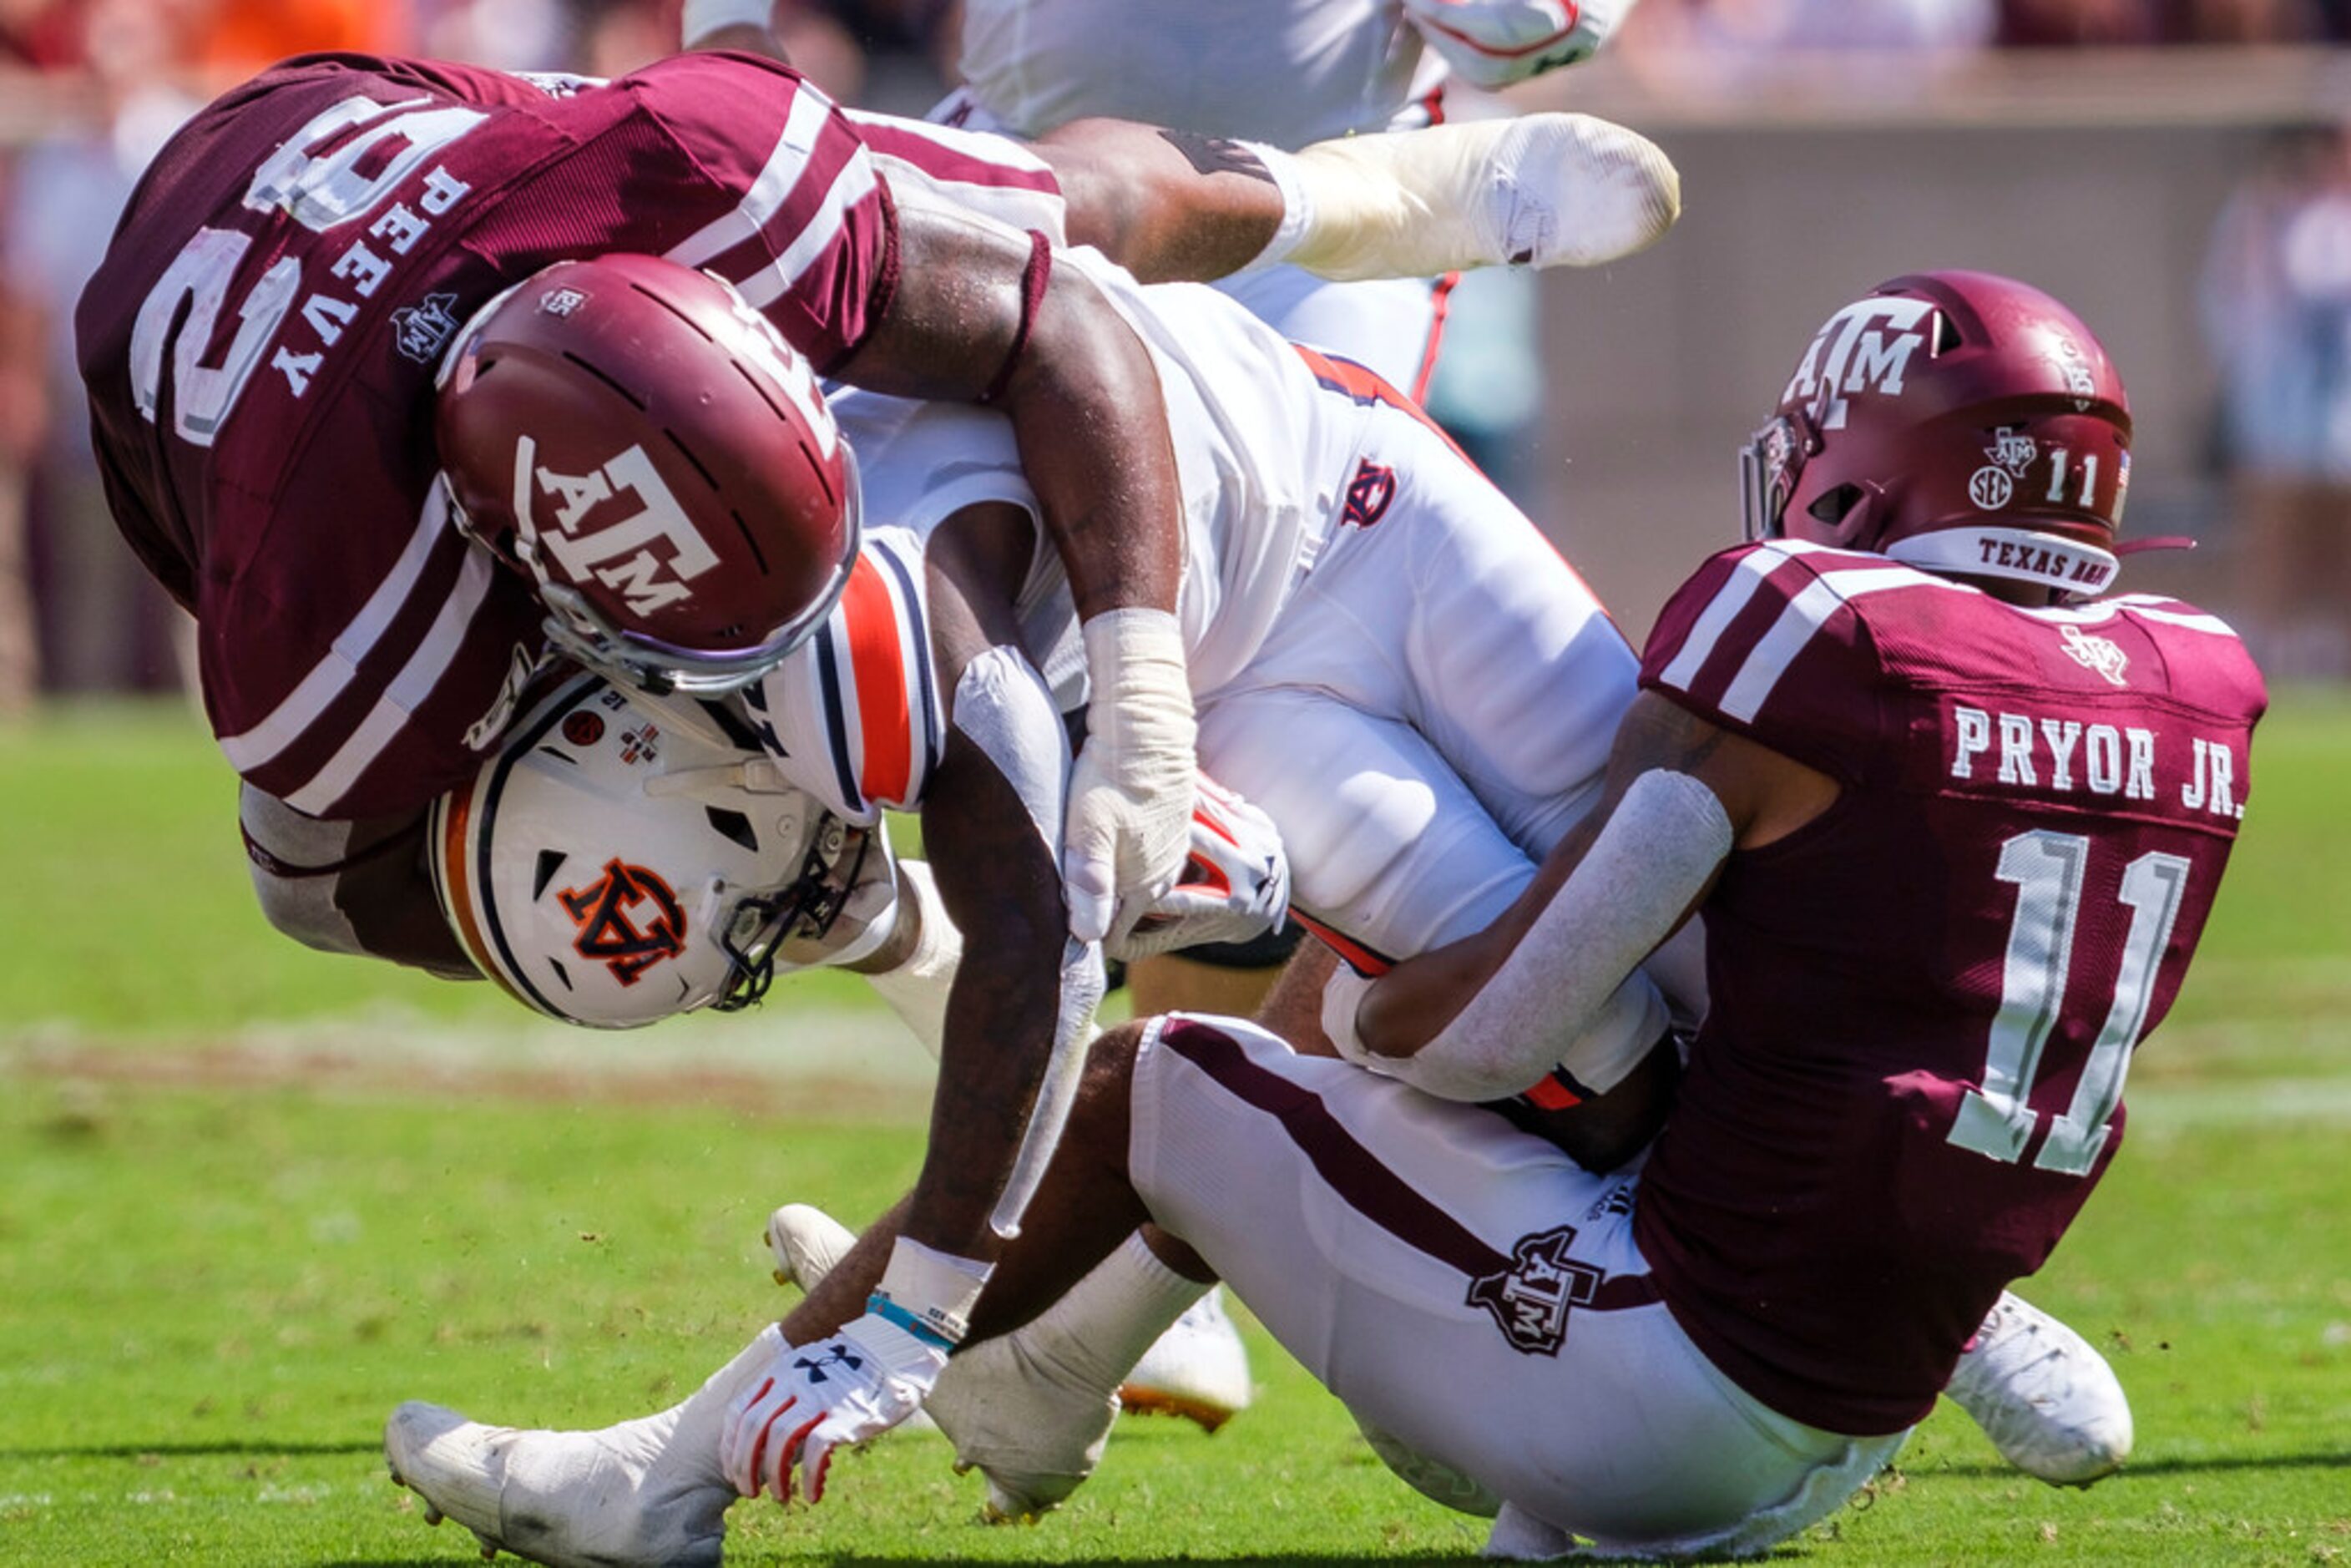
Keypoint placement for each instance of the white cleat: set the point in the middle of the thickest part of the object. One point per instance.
(808, 1244)
(1199, 1369)
(2048, 1402)
(1031, 1421)
(570, 1500)
(1573, 190)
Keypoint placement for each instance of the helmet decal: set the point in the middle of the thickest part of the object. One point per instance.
(629, 920)
(1865, 347)
(621, 541)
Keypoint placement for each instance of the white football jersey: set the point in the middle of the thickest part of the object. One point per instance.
(1289, 74)
(1263, 458)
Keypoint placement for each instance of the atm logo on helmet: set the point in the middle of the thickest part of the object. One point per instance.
(619, 552)
(1865, 347)
(628, 918)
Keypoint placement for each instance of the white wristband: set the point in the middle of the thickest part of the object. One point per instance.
(703, 17)
(937, 1289)
(1343, 998)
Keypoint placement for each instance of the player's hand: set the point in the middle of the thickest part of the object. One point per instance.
(1234, 887)
(1129, 821)
(846, 1389)
(1493, 42)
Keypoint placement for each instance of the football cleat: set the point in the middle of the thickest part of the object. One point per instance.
(1571, 190)
(1031, 1413)
(808, 1244)
(570, 1500)
(2048, 1402)
(1199, 1369)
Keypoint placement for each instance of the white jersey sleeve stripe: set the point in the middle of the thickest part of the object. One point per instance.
(1805, 615)
(2192, 620)
(772, 282)
(839, 717)
(784, 169)
(1706, 634)
(407, 692)
(327, 679)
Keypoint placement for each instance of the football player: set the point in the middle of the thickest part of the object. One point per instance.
(1290, 74)
(261, 341)
(1906, 1087)
(1387, 731)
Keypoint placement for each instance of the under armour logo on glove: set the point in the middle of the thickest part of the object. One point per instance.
(834, 1355)
(819, 1398)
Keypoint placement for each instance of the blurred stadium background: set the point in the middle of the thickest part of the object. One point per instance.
(2175, 168)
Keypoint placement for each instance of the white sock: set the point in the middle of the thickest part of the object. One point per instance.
(696, 1425)
(1540, 190)
(1112, 1316)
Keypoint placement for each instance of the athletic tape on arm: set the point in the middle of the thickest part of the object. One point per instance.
(1571, 994)
(1002, 707)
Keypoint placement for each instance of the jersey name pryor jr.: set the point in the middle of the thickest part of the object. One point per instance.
(2050, 753)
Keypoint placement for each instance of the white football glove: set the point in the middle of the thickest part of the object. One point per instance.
(852, 1386)
(848, 1389)
(1235, 885)
(1493, 42)
(1129, 808)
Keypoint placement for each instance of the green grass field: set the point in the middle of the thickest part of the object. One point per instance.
(251, 1197)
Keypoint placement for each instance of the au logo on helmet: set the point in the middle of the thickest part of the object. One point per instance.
(629, 920)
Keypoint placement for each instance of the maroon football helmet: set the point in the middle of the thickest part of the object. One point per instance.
(641, 441)
(1958, 421)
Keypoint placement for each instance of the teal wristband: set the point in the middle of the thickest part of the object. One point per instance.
(922, 1328)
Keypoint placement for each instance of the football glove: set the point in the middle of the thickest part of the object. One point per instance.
(845, 1389)
(1493, 42)
(1235, 885)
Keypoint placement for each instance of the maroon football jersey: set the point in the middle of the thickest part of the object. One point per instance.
(1923, 1003)
(260, 345)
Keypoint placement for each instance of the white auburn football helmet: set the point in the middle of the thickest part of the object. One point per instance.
(619, 861)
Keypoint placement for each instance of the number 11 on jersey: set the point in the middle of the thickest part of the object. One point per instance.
(2047, 871)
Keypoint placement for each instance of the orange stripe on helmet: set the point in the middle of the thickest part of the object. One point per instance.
(885, 715)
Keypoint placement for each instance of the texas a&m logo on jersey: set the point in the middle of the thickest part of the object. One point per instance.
(421, 331)
(2091, 652)
(629, 920)
(617, 551)
(1865, 347)
(1530, 1300)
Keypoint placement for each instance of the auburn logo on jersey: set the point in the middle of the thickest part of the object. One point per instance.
(1369, 493)
(629, 920)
